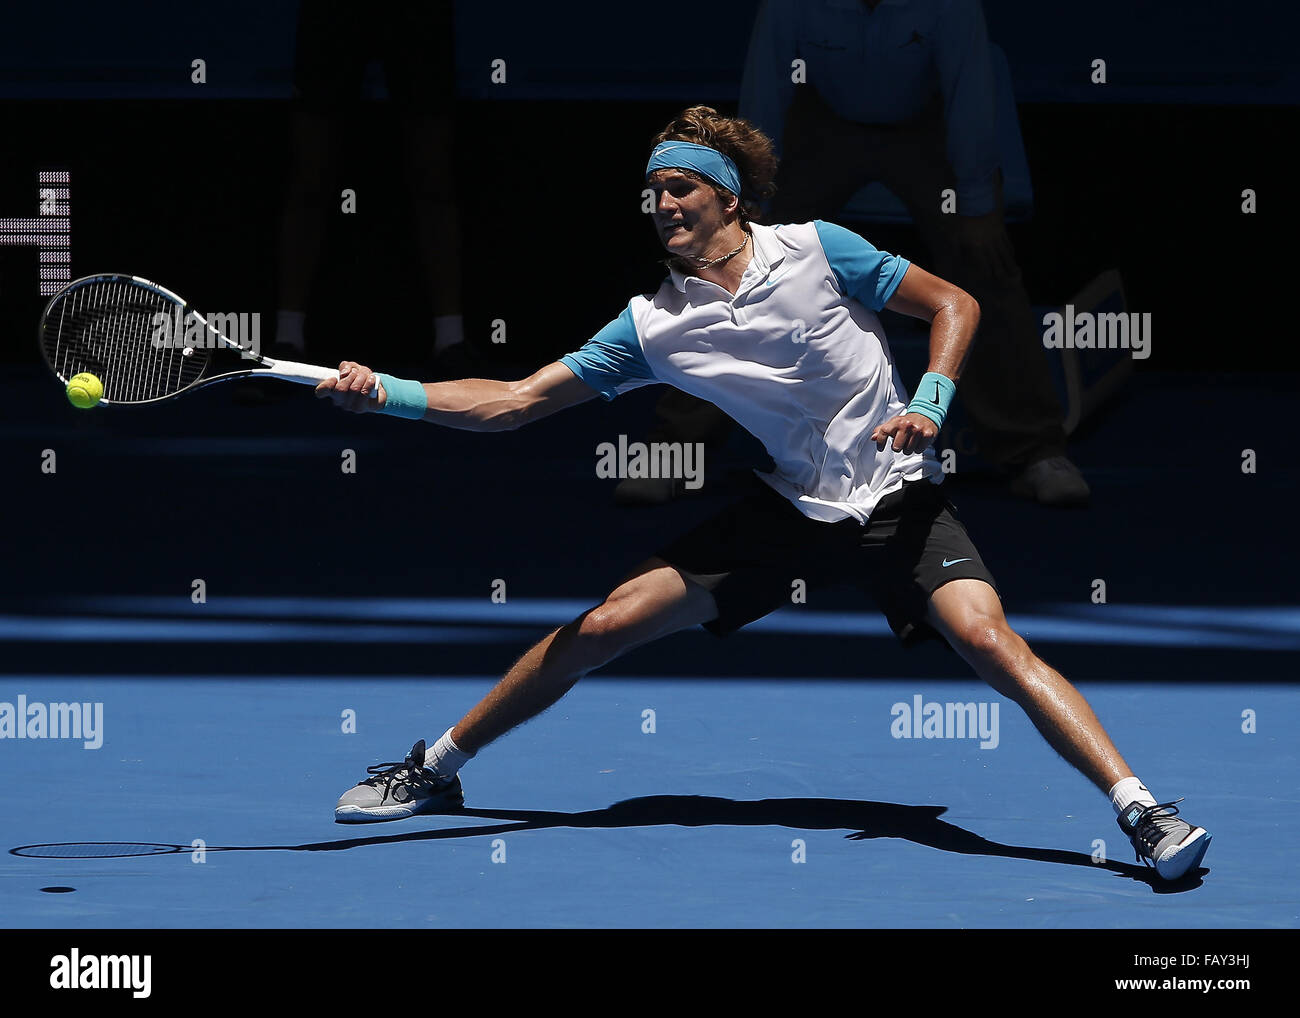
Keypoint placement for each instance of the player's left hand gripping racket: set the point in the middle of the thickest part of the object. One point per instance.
(123, 329)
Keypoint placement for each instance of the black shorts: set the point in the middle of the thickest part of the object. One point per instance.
(750, 554)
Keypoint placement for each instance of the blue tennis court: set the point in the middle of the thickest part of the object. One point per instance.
(750, 782)
(752, 803)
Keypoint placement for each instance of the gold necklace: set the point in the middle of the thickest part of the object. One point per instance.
(704, 264)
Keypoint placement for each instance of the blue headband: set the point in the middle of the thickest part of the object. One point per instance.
(707, 162)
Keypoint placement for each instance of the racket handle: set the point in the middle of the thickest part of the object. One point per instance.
(305, 374)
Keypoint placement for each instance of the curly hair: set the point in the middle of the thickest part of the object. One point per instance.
(748, 147)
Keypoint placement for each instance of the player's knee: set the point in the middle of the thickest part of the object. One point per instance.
(606, 630)
(990, 641)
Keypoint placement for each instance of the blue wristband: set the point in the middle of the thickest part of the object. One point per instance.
(933, 397)
(405, 398)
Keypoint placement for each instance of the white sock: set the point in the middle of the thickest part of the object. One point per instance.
(448, 330)
(288, 328)
(445, 757)
(1128, 791)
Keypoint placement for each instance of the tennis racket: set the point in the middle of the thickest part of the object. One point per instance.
(131, 334)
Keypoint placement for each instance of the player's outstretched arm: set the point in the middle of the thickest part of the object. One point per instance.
(471, 404)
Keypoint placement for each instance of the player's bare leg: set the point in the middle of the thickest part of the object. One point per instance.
(652, 602)
(969, 615)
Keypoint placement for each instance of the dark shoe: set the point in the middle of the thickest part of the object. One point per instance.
(1053, 481)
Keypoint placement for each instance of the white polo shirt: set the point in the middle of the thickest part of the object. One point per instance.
(797, 358)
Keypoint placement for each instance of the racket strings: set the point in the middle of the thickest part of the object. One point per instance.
(95, 850)
(113, 329)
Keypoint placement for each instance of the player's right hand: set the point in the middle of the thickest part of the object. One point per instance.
(352, 390)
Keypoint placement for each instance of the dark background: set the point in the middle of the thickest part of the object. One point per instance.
(184, 184)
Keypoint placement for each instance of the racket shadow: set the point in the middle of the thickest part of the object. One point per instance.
(864, 820)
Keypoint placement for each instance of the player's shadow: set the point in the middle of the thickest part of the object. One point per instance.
(863, 820)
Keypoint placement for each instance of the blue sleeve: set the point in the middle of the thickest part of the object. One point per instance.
(611, 361)
(862, 272)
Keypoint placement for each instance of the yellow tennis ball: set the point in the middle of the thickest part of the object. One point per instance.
(85, 390)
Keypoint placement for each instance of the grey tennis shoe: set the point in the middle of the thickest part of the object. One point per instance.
(395, 791)
(1161, 840)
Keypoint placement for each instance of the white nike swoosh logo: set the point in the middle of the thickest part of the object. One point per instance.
(946, 563)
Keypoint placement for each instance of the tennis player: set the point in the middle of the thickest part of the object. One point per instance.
(778, 327)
